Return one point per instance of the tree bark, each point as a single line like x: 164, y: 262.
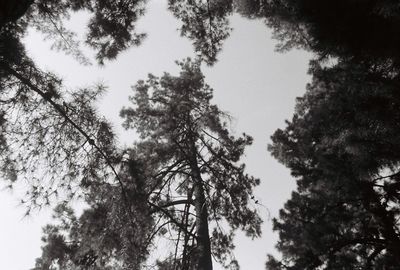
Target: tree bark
x: 203, y: 238
x: 203, y: 248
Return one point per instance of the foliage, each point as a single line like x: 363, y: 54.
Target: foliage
x: 341, y: 145
x: 50, y: 136
x: 11, y: 11
x: 361, y: 30
x: 364, y: 32
x: 204, y: 22
x: 195, y: 154
x: 184, y: 175
x: 185, y: 139
x: 112, y: 25
x: 113, y: 233
x: 54, y: 140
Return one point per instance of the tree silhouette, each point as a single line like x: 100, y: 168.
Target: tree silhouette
x: 35, y: 93
x: 204, y: 22
x: 111, y: 28
x: 112, y: 25
x: 183, y: 175
x: 364, y: 31
x: 341, y: 145
x: 50, y: 135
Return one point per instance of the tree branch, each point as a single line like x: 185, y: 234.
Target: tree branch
x: 165, y: 212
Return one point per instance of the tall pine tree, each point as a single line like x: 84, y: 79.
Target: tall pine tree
x: 188, y: 177
x: 341, y: 145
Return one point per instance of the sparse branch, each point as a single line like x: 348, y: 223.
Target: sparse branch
x: 159, y: 227
x: 213, y: 137
x: 165, y: 171
x: 385, y: 177
x: 165, y: 212
x: 178, y: 202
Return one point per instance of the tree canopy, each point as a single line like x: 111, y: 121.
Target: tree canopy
x: 112, y: 25
x: 54, y: 139
x: 341, y: 142
x: 341, y: 146
x: 366, y: 31
x: 181, y: 181
x: 50, y: 135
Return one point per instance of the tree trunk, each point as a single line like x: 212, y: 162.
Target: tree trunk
x: 203, y: 239
x: 203, y: 248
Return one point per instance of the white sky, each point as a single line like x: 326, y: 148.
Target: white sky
x: 252, y: 82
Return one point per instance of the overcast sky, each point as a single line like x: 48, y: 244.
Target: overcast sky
x: 251, y: 81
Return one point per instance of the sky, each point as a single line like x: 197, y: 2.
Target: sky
x: 251, y: 81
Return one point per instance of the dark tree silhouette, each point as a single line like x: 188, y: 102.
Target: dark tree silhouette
x: 114, y: 232
x: 53, y: 138
x: 341, y: 145
x: 11, y: 11
x: 364, y: 30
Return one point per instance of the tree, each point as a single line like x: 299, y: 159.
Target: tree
x: 112, y: 26
x: 11, y: 11
x: 111, y: 30
x: 52, y: 147
x: 187, y: 174
x: 364, y: 31
x: 341, y: 145
x: 34, y: 92
x: 204, y: 22
x: 114, y: 232
x: 52, y: 137
x: 45, y: 128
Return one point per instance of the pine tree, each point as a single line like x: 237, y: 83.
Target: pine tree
x: 50, y: 136
x: 33, y: 92
x: 112, y: 25
x: 341, y: 145
x: 364, y: 31
x: 204, y: 22
x: 187, y: 173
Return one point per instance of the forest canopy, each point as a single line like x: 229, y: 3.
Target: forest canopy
x: 341, y: 142
x: 183, y: 176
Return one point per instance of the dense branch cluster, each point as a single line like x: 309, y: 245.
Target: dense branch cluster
x: 49, y: 134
